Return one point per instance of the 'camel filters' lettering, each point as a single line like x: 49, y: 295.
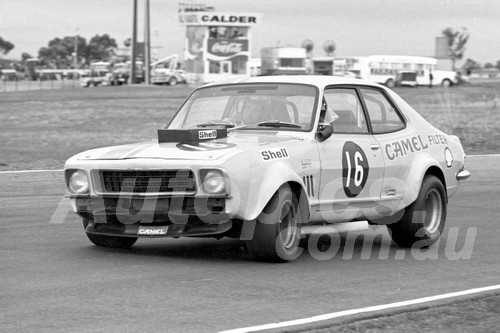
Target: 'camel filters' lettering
x: 404, y: 147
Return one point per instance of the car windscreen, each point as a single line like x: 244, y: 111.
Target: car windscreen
x: 280, y: 106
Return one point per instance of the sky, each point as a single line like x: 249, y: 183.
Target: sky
x: 358, y: 27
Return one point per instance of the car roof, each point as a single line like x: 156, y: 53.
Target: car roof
x: 317, y: 80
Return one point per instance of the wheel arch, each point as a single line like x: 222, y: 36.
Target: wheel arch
x: 426, y: 165
x: 446, y: 82
x: 437, y: 172
x: 266, y: 186
x: 299, y: 191
x: 390, y: 83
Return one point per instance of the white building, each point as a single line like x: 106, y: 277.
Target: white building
x: 217, y: 44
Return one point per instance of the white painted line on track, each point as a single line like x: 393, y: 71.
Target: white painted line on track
x: 361, y: 310
x: 28, y: 171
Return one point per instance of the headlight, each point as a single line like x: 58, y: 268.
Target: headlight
x: 213, y: 181
x: 78, y: 182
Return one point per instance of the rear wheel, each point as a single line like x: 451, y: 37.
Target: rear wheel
x: 446, y: 83
x: 277, y: 231
x: 110, y: 241
x: 423, y: 221
x: 172, y: 81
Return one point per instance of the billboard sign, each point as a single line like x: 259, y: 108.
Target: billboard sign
x: 218, y: 18
x: 221, y: 49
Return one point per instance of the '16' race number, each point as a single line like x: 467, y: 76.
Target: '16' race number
x: 354, y: 169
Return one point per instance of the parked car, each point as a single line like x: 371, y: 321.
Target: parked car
x: 166, y: 71
x: 269, y: 159
x: 94, y: 77
x: 119, y: 74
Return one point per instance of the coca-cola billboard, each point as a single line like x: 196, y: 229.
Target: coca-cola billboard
x: 225, y: 48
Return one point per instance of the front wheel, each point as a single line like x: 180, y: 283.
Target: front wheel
x: 110, y: 241
x: 278, y: 228
x: 423, y: 221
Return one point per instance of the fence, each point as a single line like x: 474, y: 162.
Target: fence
x: 23, y: 85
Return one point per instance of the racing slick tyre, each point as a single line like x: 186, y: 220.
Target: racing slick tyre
x: 423, y: 221
x: 278, y: 228
x: 110, y: 241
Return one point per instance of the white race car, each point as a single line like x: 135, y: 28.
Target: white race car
x: 266, y: 160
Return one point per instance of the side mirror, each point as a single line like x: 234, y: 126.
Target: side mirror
x: 324, y: 132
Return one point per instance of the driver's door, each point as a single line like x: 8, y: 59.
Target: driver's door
x: 352, y: 165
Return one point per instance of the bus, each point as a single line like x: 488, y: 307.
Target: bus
x: 388, y: 70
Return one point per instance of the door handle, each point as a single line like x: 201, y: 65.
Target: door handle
x: 374, y: 146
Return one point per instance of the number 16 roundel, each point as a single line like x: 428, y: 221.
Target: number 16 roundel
x: 354, y: 169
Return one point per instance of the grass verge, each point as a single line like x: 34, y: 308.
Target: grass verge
x: 473, y: 314
x: 40, y: 129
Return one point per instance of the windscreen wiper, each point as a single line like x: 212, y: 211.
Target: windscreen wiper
x: 216, y: 123
x: 277, y: 123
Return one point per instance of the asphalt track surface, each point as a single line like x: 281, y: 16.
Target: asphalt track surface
x: 52, y: 279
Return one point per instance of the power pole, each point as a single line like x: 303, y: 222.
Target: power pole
x: 76, y: 51
x: 134, y: 42
x: 147, y: 47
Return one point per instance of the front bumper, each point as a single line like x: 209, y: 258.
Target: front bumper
x: 163, y: 217
x: 463, y: 174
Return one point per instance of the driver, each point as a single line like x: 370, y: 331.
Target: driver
x: 255, y: 111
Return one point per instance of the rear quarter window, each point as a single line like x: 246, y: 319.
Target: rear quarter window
x: 384, y: 116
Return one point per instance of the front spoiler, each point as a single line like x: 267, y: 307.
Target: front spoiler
x: 164, y: 217
x: 194, y: 227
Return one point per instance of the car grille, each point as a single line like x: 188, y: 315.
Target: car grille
x: 158, y: 181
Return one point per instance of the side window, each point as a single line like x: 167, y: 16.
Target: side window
x: 383, y: 115
x: 347, y: 109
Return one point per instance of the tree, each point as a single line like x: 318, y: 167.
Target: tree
x: 100, y: 48
x: 25, y: 56
x: 470, y: 64
x: 5, y: 46
x: 456, y: 43
x: 60, y: 51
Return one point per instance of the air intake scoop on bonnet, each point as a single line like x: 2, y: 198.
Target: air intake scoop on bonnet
x: 191, y: 135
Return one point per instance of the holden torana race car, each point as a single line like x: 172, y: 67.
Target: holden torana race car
x: 268, y: 159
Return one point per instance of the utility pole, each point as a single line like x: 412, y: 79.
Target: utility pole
x: 76, y: 51
x: 134, y: 42
x: 147, y: 47
x: 75, y: 71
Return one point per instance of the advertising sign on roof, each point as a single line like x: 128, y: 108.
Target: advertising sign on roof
x: 218, y: 18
